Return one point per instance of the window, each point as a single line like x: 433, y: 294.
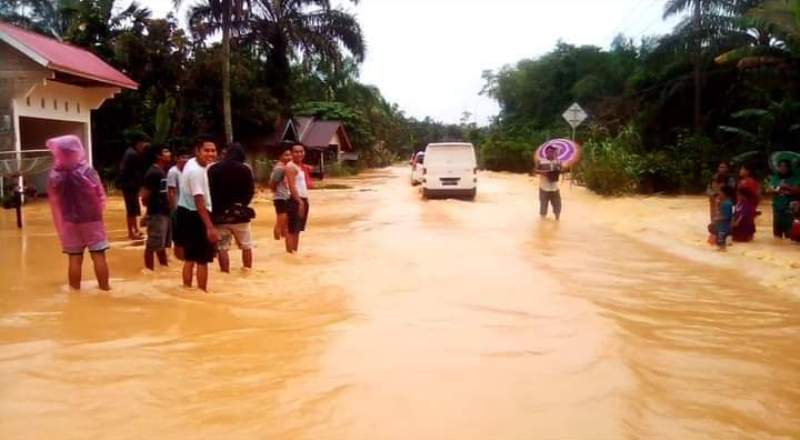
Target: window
x: 55, y: 104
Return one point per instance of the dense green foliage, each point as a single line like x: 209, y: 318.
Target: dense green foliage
x: 642, y: 135
x: 287, y: 58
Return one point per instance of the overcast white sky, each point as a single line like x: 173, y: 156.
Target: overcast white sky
x: 428, y: 55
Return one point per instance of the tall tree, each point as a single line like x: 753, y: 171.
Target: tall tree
x: 221, y: 15
x: 709, y: 19
x: 311, y: 29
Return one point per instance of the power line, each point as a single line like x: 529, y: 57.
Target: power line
x: 624, y: 19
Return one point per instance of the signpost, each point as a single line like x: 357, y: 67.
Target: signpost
x: 575, y: 115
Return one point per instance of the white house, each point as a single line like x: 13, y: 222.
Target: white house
x: 48, y: 88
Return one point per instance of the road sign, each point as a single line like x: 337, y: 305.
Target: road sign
x: 575, y: 115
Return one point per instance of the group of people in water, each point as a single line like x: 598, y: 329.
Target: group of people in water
x: 202, y: 204
x: 734, y: 203
x: 197, y: 201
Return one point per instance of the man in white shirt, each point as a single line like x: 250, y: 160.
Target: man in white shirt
x: 549, y: 171
x: 173, y: 190
x: 197, y: 232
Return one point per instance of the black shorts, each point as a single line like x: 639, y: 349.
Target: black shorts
x: 174, y: 229
x: 281, y: 206
x: 297, y: 224
x: 196, y: 247
x: 132, y: 207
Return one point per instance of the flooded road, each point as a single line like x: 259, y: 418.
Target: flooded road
x: 403, y: 319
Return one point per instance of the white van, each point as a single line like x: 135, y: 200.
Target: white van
x: 450, y: 170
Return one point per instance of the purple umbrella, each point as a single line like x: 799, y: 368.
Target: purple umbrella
x: 567, y: 152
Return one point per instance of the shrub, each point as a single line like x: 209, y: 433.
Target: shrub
x: 608, y: 167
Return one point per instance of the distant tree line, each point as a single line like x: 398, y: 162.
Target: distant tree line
x: 724, y: 84
x: 283, y: 58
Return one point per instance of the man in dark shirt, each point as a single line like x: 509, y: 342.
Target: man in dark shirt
x: 154, y: 197
x: 232, y: 187
x: 131, y: 171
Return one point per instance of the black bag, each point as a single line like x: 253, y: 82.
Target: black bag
x: 237, y: 213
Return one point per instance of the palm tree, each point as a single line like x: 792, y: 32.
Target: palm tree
x: 777, y: 24
x: 309, y: 29
x: 210, y: 17
x: 709, y: 19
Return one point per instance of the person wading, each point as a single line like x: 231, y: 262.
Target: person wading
x: 131, y: 175
x: 77, y: 201
x: 785, y: 186
x: 298, y: 206
x: 232, y: 187
x: 173, y: 192
x: 721, y: 179
x: 155, y: 198
x: 198, y: 235
x: 549, y: 171
x: 281, y: 195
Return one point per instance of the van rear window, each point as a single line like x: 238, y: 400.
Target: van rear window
x: 450, y: 154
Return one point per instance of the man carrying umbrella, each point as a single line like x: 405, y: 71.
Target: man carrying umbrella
x: 549, y: 170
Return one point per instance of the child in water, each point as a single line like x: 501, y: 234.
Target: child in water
x: 724, y: 220
x: 77, y: 200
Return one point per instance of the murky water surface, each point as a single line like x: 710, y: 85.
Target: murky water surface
x: 401, y: 319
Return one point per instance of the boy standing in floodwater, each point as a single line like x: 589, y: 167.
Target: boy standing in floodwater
x: 724, y: 220
x: 173, y: 192
x: 198, y: 235
x: 154, y: 197
x: 77, y: 200
x: 281, y: 195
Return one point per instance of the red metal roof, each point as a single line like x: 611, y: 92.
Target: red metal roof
x: 63, y: 57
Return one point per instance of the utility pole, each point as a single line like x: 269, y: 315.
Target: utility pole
x: 698, y: 84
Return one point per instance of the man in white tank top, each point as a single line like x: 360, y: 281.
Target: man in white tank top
x: 298, y: 201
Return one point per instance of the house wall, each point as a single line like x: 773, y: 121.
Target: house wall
x: 18, y: 73
x: 62, y: 102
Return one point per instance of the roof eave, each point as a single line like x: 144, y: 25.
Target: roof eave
x: 133, y: 85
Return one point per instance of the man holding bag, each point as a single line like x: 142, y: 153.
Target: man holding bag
x: 232, y: 188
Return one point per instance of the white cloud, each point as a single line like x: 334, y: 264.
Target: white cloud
x: 428, y: 55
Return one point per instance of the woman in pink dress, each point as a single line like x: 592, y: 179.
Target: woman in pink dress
x: 77, y: 201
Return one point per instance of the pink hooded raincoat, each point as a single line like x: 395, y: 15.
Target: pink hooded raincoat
x: 76, y: 196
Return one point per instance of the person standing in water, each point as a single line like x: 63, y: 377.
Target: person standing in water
x: 155, y: 198
x: 77, y: 201
x: 721, y: 179
x: 744, y: 216
x: 298, y: 206
x: 198, y: 235
x: 724, y: 220
x: 232, y: 188
x: 748, y: 182
x: 549, y: 171
x: 786, y: 188
x: 281, y: 195
x: 131, y: 174
x: 173, y: 192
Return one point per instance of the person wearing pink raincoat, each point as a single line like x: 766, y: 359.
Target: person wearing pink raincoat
x: 77, y: 201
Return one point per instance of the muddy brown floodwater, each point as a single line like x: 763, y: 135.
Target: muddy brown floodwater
x: 403, y: 319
